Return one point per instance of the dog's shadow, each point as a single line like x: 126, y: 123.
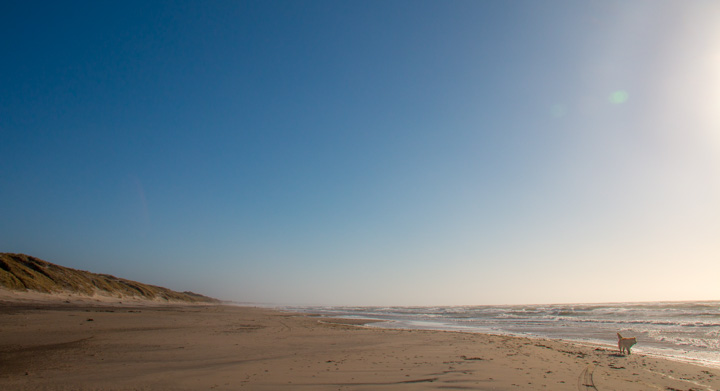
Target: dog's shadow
x: 617, y: 355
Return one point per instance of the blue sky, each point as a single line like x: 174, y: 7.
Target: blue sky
x: 368, y: 153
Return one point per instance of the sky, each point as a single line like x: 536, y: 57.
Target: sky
x: 368, y: 152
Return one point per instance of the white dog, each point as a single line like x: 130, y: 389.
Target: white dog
x: 625, y: 343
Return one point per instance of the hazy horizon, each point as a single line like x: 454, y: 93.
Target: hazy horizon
x: 368, y: 153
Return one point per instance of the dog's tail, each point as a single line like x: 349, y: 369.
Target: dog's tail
x: 619, y: 336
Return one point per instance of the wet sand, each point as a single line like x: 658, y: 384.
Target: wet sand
x: 65, y: 346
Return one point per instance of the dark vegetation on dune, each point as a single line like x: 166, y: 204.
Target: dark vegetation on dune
x: 26, y: 273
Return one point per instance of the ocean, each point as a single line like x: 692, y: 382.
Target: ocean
x: 687, y: 331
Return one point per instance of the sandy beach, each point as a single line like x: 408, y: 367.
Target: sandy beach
x: 103, y: 346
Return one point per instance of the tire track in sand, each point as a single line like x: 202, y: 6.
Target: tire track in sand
x: 585, y: 380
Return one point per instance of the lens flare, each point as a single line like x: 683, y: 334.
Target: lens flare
x: 618, y: 97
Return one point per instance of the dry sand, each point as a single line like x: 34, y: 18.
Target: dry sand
x: 81, y: 346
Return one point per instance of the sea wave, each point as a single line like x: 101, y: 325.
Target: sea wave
x: 688, y: 329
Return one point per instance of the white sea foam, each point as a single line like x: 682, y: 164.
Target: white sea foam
x: 686, y: 330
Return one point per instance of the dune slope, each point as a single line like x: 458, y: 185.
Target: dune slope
x: 20, y: 272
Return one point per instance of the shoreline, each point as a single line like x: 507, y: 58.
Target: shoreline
x: 226, y: 347
x: 578, y: 342
x: 683, y: 336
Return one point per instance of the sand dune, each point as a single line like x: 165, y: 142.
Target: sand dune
x: 24, y: 276
x: 80, y: 347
